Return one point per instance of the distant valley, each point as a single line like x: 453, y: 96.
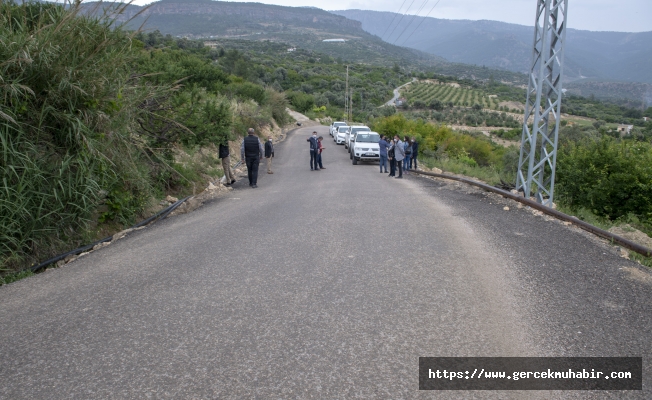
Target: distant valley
x: 597, y: 63
x: 303, y: 27
x: 595, y: 55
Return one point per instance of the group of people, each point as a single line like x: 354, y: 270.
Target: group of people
x: 401, y: 154
x: 316, y: 148
x: 251, y: 151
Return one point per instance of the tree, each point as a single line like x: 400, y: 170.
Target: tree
x: 301, y: 101
x: 419, y: 104
x: 436, y: 105
x: 648, y: 112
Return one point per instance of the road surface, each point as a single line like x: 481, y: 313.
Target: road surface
x: 397, y: 94
x: 325, y: 284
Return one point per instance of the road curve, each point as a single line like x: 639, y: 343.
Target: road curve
x: 397, y: 93
x: 320, y: 284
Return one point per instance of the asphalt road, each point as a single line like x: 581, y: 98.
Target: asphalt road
x: 397, y: 94
x: 326, y: 284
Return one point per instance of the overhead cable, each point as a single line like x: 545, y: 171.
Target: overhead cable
x: 424, y: 18
x: 395, y: 14
x: 399, y: 21
x: 412, y: 21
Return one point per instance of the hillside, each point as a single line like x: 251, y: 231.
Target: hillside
x: 300, y: 27
x: 628, y: 94
x: 296, y: 26
x: 614, y: 56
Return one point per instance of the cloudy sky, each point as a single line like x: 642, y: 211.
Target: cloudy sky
x: 595, y: 15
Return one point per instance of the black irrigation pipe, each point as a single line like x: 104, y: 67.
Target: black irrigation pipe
x: 154, y: 218
x: 552, y: 212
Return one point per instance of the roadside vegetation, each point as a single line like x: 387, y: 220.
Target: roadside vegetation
x: 465, y: 153
x: 94, y: 122
x: 599, y: 177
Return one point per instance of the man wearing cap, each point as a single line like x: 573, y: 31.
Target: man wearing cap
x: 251, y: 151
x: 314, y: 151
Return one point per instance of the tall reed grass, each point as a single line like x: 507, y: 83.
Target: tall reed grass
x: 67, y: 114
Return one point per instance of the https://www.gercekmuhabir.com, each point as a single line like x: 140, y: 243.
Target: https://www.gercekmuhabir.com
x: 530, y: 373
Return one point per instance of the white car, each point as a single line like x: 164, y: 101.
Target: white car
x: 365, y: 147
x: 334, y: 127
x: 341, y: 133
x: 351, y: 135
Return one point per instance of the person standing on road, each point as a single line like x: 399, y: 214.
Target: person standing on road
x: 399, y: 154
x: 269, y: 154
x: 314, y: 151
x: 321, y: 148
x: 408, y: 153
x: 225, y: 156
x: 392, y: 159
x: 383, y: 145
x: 415, y: 152
x: 252, y: 151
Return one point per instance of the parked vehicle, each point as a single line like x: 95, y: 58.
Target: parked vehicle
x: 334, y: 127
x: 352, y: 133
x: 341, y: 133
x: 365, y: 147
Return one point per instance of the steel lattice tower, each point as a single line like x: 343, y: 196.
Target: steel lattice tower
x: 536, y: 166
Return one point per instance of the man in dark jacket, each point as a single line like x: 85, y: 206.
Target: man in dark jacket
x: 251, y: 151
x: 383, y: 146
x: 415, y: 153
x: 314, y: 151
x: 226, y: 164
x: 269, y: 154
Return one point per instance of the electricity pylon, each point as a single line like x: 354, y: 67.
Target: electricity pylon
x: 536, y: 166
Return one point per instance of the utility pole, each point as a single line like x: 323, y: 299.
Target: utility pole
x: 538, y: 156
x: 346, y: 94
x: 351, y: 105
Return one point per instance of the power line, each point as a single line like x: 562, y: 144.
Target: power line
x: 412, y: 21
x: 399, y: 21
x: 424, y: 18
x: 395, y: 14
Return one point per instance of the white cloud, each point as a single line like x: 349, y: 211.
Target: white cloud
x: 595, y: 15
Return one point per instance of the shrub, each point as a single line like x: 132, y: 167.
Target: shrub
x: 440, y: 139
x: 278, y: 103
x: 301, y: 101
x: 418, y: 104
x: 248, y: 90
x: 436, y: 105
x: 610, y: 178
x: 203, y: 118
